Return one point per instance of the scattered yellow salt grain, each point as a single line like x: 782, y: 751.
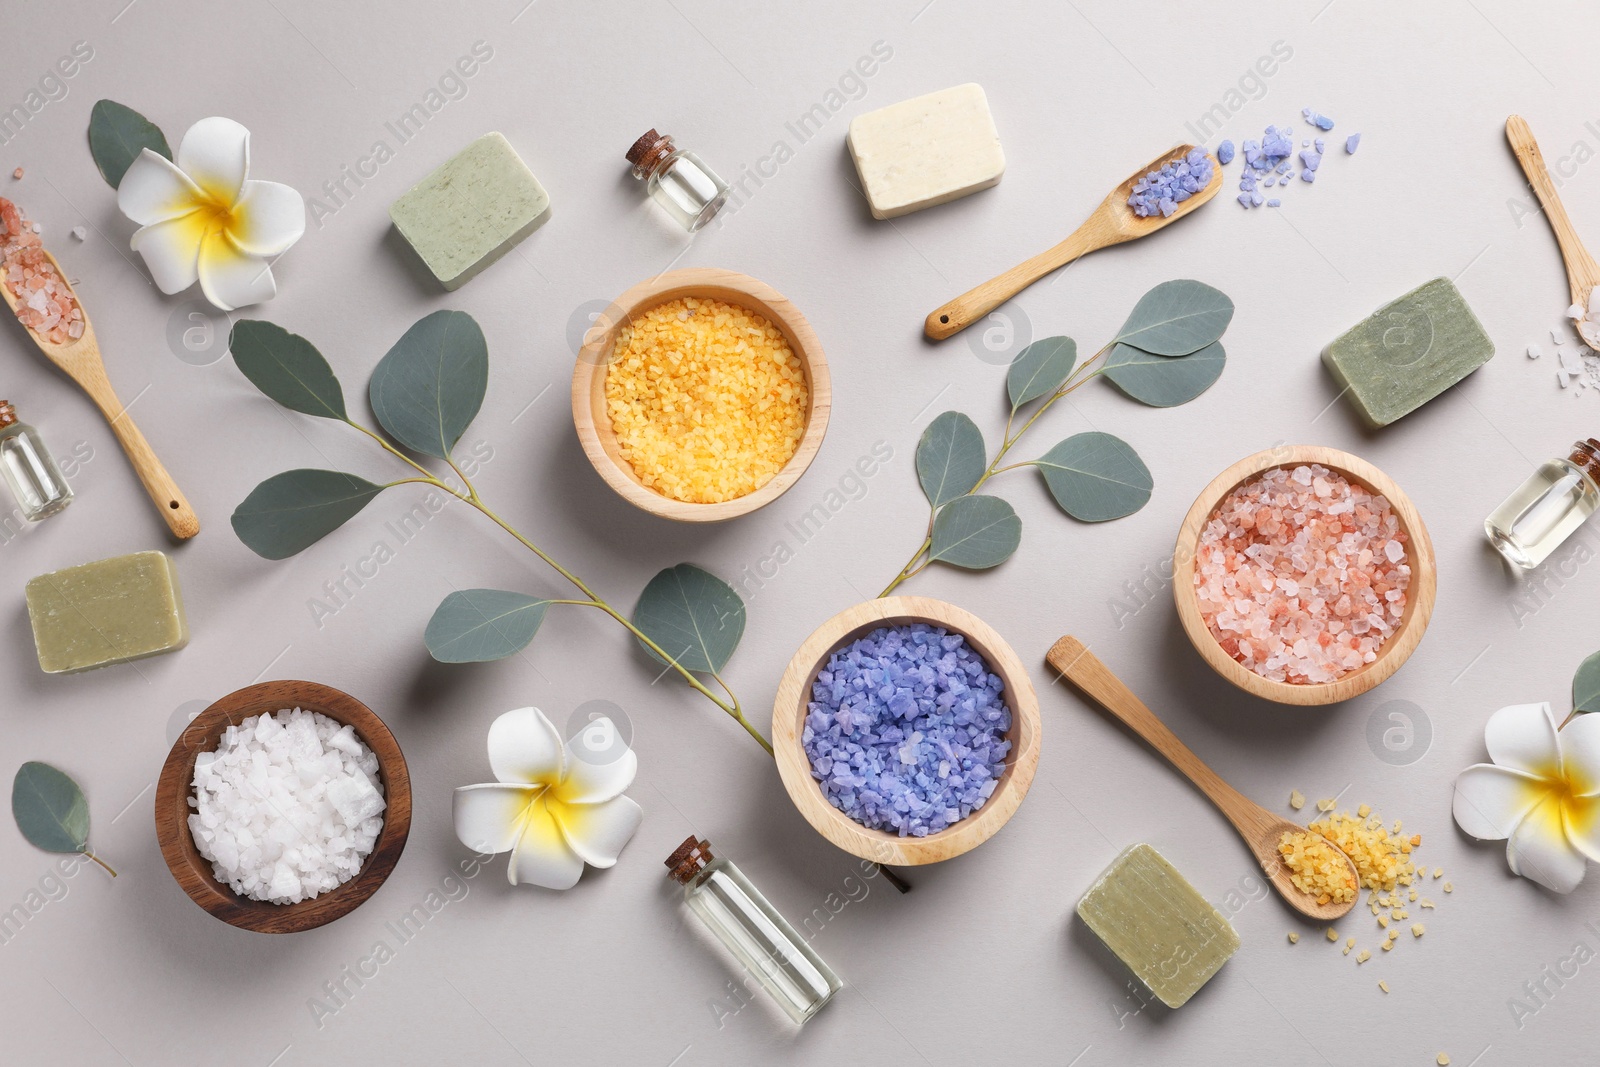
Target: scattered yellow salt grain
x: 1363, y: 956
x: 1327, y: 805
x: 1426, y: 903
x: 1448, y: 888
x: 1333, y: 935
x: 1381, y: 859
x: 1383, y: 920
x: 1294, y: 938
x: 707, y: 399
x: 1417, y: 929
x: 1438, y: 872
x: 1317, y: 868
x: 1443, y: 1060
x: 1411, y: 895
x: 1297, y: 799
x: 1387, y: 945
x: 1364, y: 810
x: 1383, y: 985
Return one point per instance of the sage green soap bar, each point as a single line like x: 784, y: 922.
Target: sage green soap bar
x: 1408, y: 352
x: 110, y: 611
x: 1158, y: 924
x: 472, y: 210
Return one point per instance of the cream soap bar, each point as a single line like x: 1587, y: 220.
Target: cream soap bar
x: 110, y: 611
x: 1158, y: 924
x: 1408, y: 352
x: 926, y: 151
x: 472, y: 210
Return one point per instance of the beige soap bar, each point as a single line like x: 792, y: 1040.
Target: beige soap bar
x: 926, y: 151
x: 1170, y: 937
x: 110, y: 611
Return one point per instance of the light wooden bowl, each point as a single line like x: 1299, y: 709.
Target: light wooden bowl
x: 794, y: 766
x: 175, y: 786
x: 1419, y: 596
x: 593, y: 420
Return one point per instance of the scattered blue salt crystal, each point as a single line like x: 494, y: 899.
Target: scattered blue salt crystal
x: 1163, y: 189
x: 1322, y: 122
x: 1225, y: 152
x: 1305, y: 144
x: 1308, y: 175
x: 1274, y: 202
x: 1351, y: 143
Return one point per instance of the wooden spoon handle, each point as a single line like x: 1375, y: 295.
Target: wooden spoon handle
x: 1579, y: 262
x: 974, y: 304
x: 164, y: 492
x: 1084, y: 670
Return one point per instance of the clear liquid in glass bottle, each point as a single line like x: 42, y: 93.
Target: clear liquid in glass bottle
x: 1533, y: 521
x: 30, y: 472
x: 751, y: 928
x: 678, y: 180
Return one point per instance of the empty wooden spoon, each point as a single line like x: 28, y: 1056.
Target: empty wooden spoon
x: 1582, y: 273
x: 1112, y: 223
x: 80, y: 359
x: 1260, y: 828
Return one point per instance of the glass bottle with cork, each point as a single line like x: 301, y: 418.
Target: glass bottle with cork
x: 750, y: 927
x: 678, y: 180
x: 1533, y: 521
x: 29, y: 470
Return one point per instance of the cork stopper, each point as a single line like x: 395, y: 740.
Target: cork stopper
x: 688, y: 860
x: 649, y: 150
x: 8, y: 414
x: 1585, y: 455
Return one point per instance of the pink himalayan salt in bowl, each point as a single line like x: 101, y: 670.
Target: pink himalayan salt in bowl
x: 1301, y: 575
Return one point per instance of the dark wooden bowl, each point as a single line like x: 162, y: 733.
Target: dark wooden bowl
x: 176, y: 785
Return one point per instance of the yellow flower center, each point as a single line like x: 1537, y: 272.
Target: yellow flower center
x: 215, y: 215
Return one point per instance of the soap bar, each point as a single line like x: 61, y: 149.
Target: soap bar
x: 110, y: 611
x: 1158, y: 924
x: 472, y: 210
x: 1408, y: 352
x: 926, y: 151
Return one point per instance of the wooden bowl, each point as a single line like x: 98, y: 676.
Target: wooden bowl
x: 794, y: 766
x: 593, y: 420
x: 1419, y: 596
x: 175, y: 786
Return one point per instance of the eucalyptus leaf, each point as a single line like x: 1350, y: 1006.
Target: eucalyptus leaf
x: 50, y: 809
x: 430, y: 385
x: 477, y: 625
x: 950, y: 457
x: 117, y: 134
x: 1586, y: 685
x: 1041, y: 368
x: 693, y: 616
x: 1164, y: 381
x: 291, y: 511
x: 975, y: 532
x: 287, y: 368
x: 1176, y: 318
x: 1095, y: 477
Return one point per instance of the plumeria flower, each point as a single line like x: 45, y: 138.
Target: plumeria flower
x: 554, y: 810
x: 202, y: 217
x: 1541, y: 794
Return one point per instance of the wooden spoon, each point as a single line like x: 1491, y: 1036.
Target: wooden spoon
x: 81, y: 360
x: 1112, y: 223
x: 1260, y: 828
x: 1582, y: 273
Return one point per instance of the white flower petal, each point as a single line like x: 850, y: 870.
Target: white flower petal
x: 231, y: 278
x: 1523, y: 737
x: 215, y: 153
x: 171, y: 250
x: 153, y: 190
x: 542, y: 856
x: 268, y: 219
x: 1539, y: 849
x: 598, y: 832
x: 524, y: 747
x: 1491, y: 801
x: 1580, y: 819
x: 600, y: 775
x: 1580, y: 753
x: 488, y: 818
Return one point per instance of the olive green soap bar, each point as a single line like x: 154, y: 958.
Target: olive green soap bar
x: 110, y: 611
x: 471, y: 211
x: 1408, y: 352
x: 1158, y: 924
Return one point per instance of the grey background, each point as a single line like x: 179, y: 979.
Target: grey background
x: 984, y: 958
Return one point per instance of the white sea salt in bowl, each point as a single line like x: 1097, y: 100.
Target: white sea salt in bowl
x: 354, y: 849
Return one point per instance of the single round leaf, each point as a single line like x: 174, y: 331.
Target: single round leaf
x: 288, y: 368
x: 1164, y: 381
x: 291, y: 511
x: 693, y: 616
x: 476, y: 625
x: 117, y: 135
x: 430, y: 385
x: 1096, y: 477
x: 1040, y: 368
x: 975, y: 532
x: 49, y: 808
x: 950, y: 457
x: 1586, y: 685
x: 1176, y: 318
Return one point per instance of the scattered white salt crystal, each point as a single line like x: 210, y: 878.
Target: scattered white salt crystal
x: 1534, y: 351
x: 79, y: 233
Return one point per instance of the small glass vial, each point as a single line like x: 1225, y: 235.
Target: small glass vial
x: 29, y: 469
x: 751, y: 928
x: 1544, y: 511
x: 679, y: 181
